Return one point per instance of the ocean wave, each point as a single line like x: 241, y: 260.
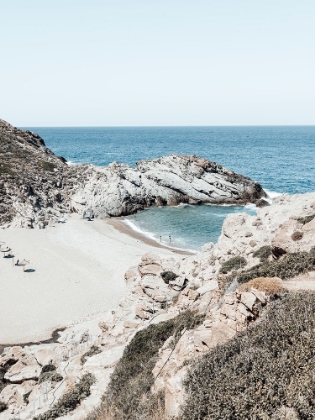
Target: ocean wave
x: 272, y: 195
x: 71, y: 163
x: 135, y: 228
x: 183, y: 205
x: 222, y: 215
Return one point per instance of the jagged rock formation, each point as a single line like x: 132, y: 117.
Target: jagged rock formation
x: 153, y: 297
x: 120, y: 190
x: 36, y: 185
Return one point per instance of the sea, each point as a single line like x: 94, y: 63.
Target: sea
x: 280, y: 158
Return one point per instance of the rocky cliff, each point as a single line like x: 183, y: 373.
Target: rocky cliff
x: 36, y: 185
x: 176, y: 311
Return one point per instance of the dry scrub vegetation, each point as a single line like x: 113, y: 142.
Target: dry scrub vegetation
x: 233, y: 263
x: 271, y: 286
x: 128, y: 395
x: 70, y: 400
x: 306, y: 219
x: 262, y: 372
x: 289, y: 266
x: 263, y: 253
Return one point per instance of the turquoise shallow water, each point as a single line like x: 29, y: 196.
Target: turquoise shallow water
x: 281, y: 159
x: 189, y: 226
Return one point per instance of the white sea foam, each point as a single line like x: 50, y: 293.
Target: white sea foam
x: 183, y: 205
x: 220, y: 215
x: 149, y: 235
x: 135, y: 228
x: 272, y: 195
x: 70, y: 163
x: 251, y: 206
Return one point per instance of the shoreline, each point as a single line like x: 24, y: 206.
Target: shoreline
x: 53, y: 339
x: 79, y: 269
x: 117, y: 223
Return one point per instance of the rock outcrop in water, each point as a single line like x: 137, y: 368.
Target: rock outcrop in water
x: 36, y: 185
x: 120, y: 190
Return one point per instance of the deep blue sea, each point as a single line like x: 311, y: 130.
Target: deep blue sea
x: 281, y: 159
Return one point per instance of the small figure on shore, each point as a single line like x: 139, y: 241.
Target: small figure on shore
x: 170, y: 239
x: 160, y: 239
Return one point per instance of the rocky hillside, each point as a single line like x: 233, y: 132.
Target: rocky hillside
x: 36, y: 185
x: 31, y: 178
x: 183, y: 322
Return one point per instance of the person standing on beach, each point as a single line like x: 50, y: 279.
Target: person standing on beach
x: 170, y: 239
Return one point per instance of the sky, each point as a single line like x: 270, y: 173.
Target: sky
x: 157, y: 62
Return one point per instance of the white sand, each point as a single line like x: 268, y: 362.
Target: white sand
x: 79, y: 271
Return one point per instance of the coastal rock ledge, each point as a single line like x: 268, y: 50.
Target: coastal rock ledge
x: 36, y: 185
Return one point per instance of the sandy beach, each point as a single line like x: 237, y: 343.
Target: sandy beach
x: 79, y: 271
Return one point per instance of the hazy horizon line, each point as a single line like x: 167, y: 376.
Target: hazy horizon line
x: 166, y: 126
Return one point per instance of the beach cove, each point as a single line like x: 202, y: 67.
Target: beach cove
x: 79, y: 271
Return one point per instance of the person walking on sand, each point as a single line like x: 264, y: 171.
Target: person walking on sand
x: 170, y: 239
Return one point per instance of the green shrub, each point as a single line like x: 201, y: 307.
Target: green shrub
x: 289, y: 266
x: 128, y: 394
x: 92, y: 352
x: 263, y: 253
x: 69, y: 401
x: 306, y: 219
x: 49, y: 373
x: 47, y: 166
x: 48, y: 368
x: 233, y: 264
x: 265, y: 370
x: 168, y: 276
x: 52, y: 376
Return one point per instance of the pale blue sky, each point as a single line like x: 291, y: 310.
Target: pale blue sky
x: 157, y: 62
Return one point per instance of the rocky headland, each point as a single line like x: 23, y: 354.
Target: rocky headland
x: 222, y: 334
x: 36, y: 185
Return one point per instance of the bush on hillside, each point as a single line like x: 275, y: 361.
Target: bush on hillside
x: 48, y: 368
x: 47, y: 166
x: 128, y: 395
x: 263, y: 253
x: 289, y: 266
x: 69, y: 401
x: 168, y: 276
x: 270, y: 286
x: 306, y: 219
x: 50, y: 376
x: 263, y: 373
x: 92, y: 352
x: 233, y: 264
